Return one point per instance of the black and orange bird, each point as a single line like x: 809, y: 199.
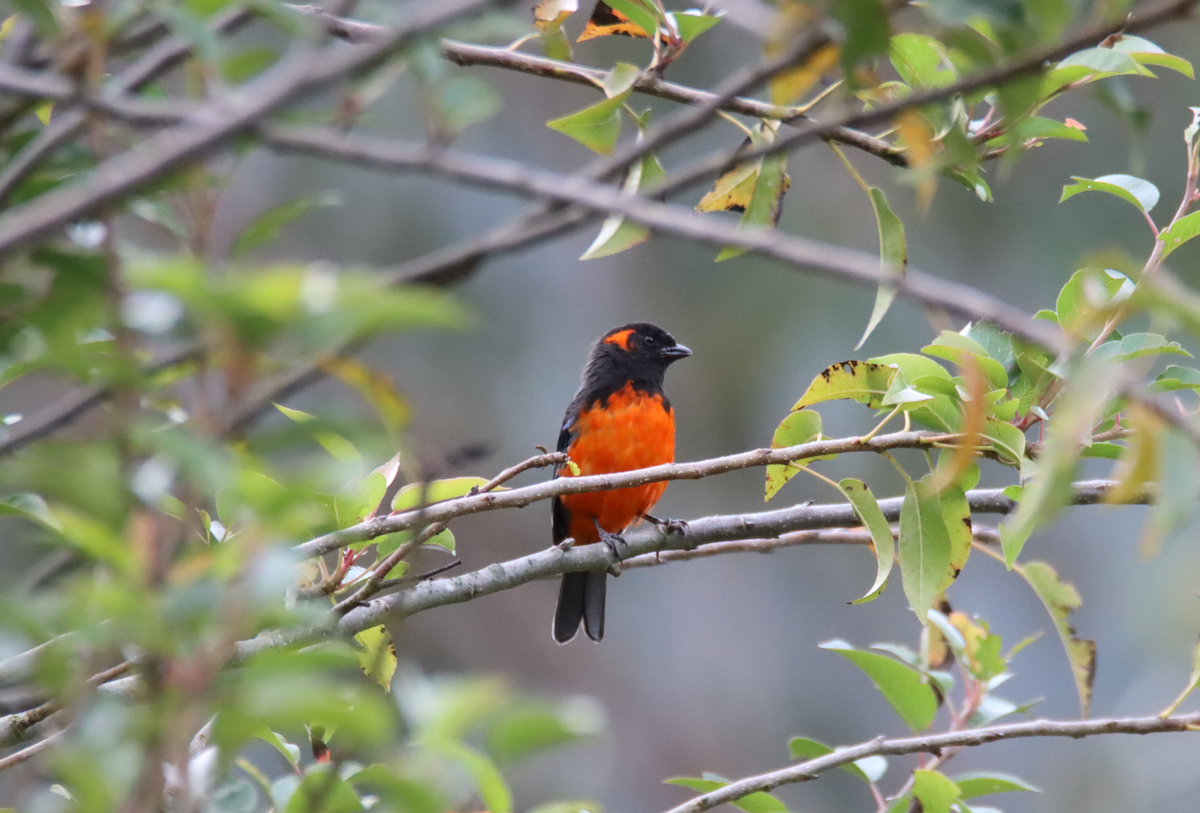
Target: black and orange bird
x: 618, y: 421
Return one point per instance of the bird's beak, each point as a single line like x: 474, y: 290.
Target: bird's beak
x: 677, y: 352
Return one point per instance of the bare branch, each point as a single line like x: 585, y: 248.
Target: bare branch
x: 1075, y: 729
x: 76, y: 404
x: 30, y: 751
x: 67, y: 124
x: 843, y: 263
x: 216, y: 123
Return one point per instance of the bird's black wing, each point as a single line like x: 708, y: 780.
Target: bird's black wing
x: 560, y: 520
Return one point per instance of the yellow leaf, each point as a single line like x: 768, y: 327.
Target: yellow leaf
x: 378, y: 658
x: 375, y: 387
x: 790, y: 86
x: 920, y: 150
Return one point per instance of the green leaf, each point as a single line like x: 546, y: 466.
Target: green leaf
x: 597, y: 127
x: 526, y: 729
x: 265, y: 228
x: 757, y: 802
x: 801, y: 426
x: 1145, y: 52
x: 867, y: 509
x: 924, y: 547
x: 859, y: 381
x: 620, y: 79
x: 493, y: 790
x: 893, y: 258
x: 1177, y: 475
x: 935, y: 791
x: 867, y: 33
x: 868, y: 769
x: 618, y: 234
x: 921, y: 61
x: 964, y: 351
x: 464, y: 101
x: 1177, y: 378
x: 1139, y: 192
x: 770, y: 182
x: 1079, y: 408
x: 319, y: 790
x: 414, y: 495
x: 956, y: 515
x: 902, y: 686
x: 290, y: 751
x: 1061, y: 599
x: 1179, y: 232
x: 235, y: 796
x: 41, y: 14
x: 1137, y: 345
x: 693, y: 22
x: 1088, y: 296
x: 985, y: 783
x: 1007, y: 440
x: 1039, y: 128
x: 378, y: 658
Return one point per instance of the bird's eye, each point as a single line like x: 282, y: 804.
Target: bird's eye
x: 649, y: 341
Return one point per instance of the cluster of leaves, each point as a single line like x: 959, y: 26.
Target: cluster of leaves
x: 954, y: 139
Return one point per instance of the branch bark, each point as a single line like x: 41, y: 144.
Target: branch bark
x: 932, y: 744
x: 213, y: 126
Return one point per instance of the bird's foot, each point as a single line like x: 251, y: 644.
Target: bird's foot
x: 671, y: 526
x: 616, y: 545
x: 566, y: 544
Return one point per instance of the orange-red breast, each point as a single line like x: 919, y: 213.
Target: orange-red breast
x: 619, y: 420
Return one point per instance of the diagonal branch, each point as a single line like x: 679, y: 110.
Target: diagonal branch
x: 847, y: 264
x: 214, y: 125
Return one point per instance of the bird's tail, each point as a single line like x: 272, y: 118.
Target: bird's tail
x: 580, y: 598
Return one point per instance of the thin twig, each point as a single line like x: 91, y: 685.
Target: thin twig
x: 30, y: 751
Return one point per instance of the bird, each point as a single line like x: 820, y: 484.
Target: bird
x: 619, y: 420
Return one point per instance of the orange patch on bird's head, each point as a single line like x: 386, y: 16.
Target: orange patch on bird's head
x: 620, y: 338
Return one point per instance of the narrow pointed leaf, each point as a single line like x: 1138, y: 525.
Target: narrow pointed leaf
x: 902, y: 686
x: 1061, y: 599
x: 924, y: 547
x: 866, y: 507
x: 893, y: 258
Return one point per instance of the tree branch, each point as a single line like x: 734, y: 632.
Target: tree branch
x: 645, y: 540
x: 521, y: 497
x: 843, y: 263
x: 932, y: 744
x: 68, y: 124
x: 215, y: 123
x: 555, y: 561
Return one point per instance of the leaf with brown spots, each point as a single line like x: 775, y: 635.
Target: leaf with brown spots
x: 849, y: 380
x: 1060, y: 599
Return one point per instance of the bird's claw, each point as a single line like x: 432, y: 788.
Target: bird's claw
x: 566, y: 544
x: 616, y: 545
